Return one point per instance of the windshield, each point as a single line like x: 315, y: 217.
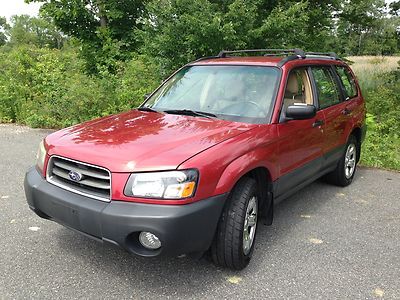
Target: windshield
x: 236, y: 93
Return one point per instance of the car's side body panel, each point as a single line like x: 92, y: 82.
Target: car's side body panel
x: 300, y: 148
x: 223, y: 165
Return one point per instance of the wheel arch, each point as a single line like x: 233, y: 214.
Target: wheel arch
x: 263, y: 178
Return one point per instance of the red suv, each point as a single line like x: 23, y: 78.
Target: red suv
x: 206, y: 156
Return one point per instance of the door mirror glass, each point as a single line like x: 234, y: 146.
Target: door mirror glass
x: 300, y: 112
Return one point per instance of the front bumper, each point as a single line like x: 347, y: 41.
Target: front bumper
x: 182, y: 229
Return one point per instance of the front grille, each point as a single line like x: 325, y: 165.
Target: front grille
x: 91, y: 181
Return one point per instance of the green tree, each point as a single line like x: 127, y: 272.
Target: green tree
x: 395, y: 8
x: 360, y: 21
x: 178, y: 31
x: 3, y: 28
x: 284, y: 27
x: 34, y: 31
x: 104, y: 27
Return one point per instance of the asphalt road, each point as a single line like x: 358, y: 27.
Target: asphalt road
x: 326, y: 243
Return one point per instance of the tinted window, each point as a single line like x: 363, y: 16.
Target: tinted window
x: 327, y: 89
x: 348, y: 82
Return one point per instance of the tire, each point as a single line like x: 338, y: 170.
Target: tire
x: 346, y: 168
x: 230, y: 249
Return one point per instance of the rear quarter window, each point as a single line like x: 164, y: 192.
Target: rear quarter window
x: 348, y: 82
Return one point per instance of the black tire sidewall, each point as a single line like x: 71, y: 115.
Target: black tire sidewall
x: 227, y: 248
x: 248, y: 256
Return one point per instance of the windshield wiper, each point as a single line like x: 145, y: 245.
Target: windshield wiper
x: 188, y: 112
x: 145, y: 108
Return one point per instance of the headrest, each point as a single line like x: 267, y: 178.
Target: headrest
x: 292, y: 85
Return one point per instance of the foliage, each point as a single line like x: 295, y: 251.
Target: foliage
x: 395, y: 8
x: 48, y: 88
x: 285, y: 27
x: 34, y: 31
x: 382, y: 146
x: 104, y: 27
x: 3, y: 27
x: 363, y: 28
x: 179, y: 31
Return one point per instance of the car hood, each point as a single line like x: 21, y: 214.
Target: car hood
x: 141, y: 141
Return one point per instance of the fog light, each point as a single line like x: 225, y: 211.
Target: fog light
x: 149, y: 240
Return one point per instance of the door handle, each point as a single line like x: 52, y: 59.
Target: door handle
x: 318, y: 123
x: 346, y: 111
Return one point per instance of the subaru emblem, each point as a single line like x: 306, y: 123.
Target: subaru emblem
x: 75, y: 176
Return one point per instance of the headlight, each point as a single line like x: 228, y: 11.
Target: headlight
x: 163, y: 185
x: 41, y: 156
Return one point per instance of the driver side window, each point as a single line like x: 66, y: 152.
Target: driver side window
x: 298, y: 89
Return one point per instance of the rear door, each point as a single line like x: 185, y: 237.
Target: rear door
x: 353, y: 103
x: 331, y: 104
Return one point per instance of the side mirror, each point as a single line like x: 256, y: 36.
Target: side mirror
x: 300, y: 112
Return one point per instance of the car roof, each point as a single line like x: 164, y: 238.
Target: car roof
x: 274, y: 61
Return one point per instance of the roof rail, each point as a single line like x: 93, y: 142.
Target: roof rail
x: 298, y: 52
x: 290, y: 54
x: 332, y: 55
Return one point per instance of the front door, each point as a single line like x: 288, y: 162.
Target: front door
x: 300, y: 141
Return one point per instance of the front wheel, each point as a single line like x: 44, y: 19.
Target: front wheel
x: 344, y: 173
x: 234, y: 240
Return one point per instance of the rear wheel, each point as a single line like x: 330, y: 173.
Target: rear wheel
x: 234, y: 240
x: 346, y: 168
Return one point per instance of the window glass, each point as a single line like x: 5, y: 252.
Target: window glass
x: 236, y: 93
x: 348, y: 82
x: 327, y: 89
x: 298, y: 88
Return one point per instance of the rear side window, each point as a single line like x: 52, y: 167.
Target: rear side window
x: 347, y: 81
x: 327, y: 89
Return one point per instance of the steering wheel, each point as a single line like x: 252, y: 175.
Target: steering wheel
x: 255, y: 106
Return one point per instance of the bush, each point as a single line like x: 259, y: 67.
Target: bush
x: 382, y: 145
x: 48, y: 88
x: 139, y: 77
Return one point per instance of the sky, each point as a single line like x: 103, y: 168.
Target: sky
x: 9, y: 8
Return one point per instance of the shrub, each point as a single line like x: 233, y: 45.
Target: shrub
x: 139, y: 77
x: 48, y: 88
x: 382, y: 145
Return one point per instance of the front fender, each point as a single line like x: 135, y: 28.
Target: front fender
x: 244, y: 164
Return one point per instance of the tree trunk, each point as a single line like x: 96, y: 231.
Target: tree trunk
x: 102, y: 16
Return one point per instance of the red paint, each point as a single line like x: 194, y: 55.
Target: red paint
x: 222, y: 151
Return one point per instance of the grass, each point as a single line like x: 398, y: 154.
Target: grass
x: 381, y: 91
x: 369, y: 68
